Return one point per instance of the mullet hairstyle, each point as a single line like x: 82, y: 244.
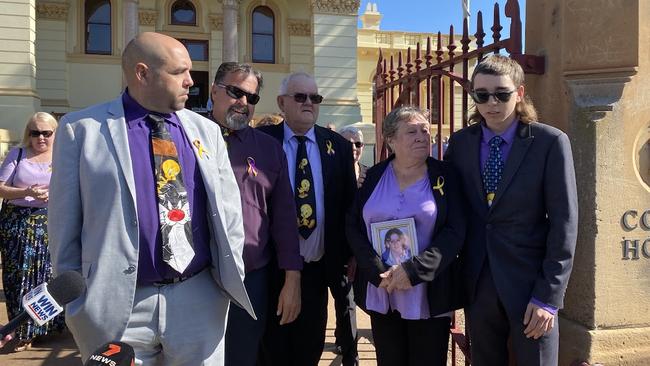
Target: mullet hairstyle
x: 499, y: 65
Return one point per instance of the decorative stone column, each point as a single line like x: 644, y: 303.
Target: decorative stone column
x: 334, y: 34
x: 131, y: 20
x: 52, y: 74
x: 596, y: 89
x: 18, y: 95
x: 230, y: 44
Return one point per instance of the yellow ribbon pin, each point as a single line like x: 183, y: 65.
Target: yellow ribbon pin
x: 330, y: 150
x: 201, y: 149
x: 440, y: 182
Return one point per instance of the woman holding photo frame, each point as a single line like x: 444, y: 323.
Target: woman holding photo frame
x: 410, y: 303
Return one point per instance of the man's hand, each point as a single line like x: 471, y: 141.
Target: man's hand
x: 538, y: 321
x: 6, y: 340
x: 289, y: 299
x: 351, y: 269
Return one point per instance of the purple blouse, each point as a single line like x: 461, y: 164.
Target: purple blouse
x: 25, y: 175
x: 387, y: 202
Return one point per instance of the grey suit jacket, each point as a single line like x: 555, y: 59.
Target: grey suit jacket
x: 93, y: 222
x: 529, y: 232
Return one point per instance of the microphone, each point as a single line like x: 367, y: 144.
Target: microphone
x: 112, y: 354
x: 45, y: 301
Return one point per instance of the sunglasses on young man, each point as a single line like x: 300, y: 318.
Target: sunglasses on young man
x: 482, y: 96
x: 236, y: 93
x: 37, y: 133
x: 302, y: 97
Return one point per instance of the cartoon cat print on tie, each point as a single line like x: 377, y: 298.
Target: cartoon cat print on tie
x: 493, y: 169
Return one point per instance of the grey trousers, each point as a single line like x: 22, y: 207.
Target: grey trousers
x: 181, y: 324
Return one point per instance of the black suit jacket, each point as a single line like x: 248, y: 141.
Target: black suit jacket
x: 438, y: 265
x: 529, y: 232
x: 339, y: 183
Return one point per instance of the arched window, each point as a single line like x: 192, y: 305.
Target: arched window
x: 98, y: 26
x: 263, y: 35
x: 183, y: 13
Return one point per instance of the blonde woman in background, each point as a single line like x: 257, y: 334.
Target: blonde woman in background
x: 24, y: 187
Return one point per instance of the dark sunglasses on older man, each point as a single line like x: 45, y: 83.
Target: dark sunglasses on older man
x: 482, y: 96
x: 358, y: 144
x: 302, y: 97
x: 236, y: 93
x: 37, y: 133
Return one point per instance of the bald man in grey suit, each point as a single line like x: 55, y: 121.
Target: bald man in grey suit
x: 106, y: 215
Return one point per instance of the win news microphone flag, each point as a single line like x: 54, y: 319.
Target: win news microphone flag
x: 112, y: 354
x: 46, y: 301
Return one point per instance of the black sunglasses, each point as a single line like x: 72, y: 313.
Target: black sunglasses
x: 358, y: 144
x: 236, y: 93
x: 302, y: 97
x: 37, y: 133
x: 482, y: 97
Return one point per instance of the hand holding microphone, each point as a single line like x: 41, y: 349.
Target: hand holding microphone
x: 46, y: 301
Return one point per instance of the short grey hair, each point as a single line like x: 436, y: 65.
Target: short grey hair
x: 349, y: 131
x: 401, y: 114
x: 232, y: 67
x: 284, y: 86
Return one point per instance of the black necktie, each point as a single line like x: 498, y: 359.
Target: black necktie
x: 173, y: 206
x: 304, y: 192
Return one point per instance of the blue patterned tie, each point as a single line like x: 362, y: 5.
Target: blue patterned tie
x: 493, y: 169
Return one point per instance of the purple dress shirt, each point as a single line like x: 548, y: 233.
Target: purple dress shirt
x: 387, y: 202
x: 151, y: 267
x: 508, y: 136
x: 268, y: 207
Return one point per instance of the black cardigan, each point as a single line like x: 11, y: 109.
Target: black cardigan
x: 439, y: 264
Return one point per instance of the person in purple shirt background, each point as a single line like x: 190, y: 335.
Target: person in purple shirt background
x: 113, y: 167
x: 268, y: 208
x: 518, y: 177
x: 409, y: 302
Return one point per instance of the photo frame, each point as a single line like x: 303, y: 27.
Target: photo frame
x: 395, y: 241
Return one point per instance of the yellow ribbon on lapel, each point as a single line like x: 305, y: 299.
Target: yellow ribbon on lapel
x: 252, y: 169
x: 440, y: 182
x: 200, y: 149
x: 330, y: 150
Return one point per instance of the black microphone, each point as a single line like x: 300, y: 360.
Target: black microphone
x: 46, y: 301
x: 112, y: 354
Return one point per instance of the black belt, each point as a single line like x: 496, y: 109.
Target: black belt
x: 171, y: 281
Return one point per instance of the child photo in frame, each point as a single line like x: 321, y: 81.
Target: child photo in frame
x: 395, y: 241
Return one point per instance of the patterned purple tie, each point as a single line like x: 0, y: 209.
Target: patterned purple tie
x: 493, y: 169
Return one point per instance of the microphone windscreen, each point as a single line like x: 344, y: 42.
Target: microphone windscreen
x: 66, y: 287
x: 112, y: 353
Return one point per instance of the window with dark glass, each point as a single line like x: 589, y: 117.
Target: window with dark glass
x: 263, y: 35
x: 98, y: 26
x: 183, y: 13
x: 197, y: 49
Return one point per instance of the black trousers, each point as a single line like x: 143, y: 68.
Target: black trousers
x: 346, y: 318
x: 402, y: 342
x: 299, y: 343
x: 243, y: 333
x: 490, y: 326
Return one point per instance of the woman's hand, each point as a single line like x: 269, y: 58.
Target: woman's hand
x: 395, y: 279
x: 38, y: 192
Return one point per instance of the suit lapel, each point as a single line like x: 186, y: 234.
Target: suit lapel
x: 520, y: 145
x: 117, y: 129
x: 474, y: 161
x: 208, y: 149
x: 326, y: 157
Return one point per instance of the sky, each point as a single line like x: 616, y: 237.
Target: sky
x: 431, y: 16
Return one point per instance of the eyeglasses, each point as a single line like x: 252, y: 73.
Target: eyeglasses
x: 302, y: 97
x: 482, y: 97
x: 358, y: 144
x: 37, y: 133
x: 236, y: 93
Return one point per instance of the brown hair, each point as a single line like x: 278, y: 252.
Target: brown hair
x: 499, y: 65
